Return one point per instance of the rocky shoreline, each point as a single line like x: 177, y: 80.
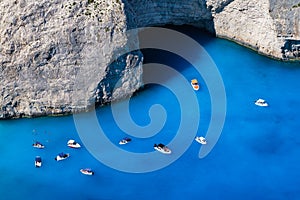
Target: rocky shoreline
x: 50, y: 48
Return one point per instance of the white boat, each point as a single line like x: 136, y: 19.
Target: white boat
x: 38, y: 161
x: 62, y: 156
x: 125, y: 140
x: 87, y: 171
x: 38, y: 145
x: 195, y: 85
x: 162, y: 148
x: 73, y: 144
x: 201, y: 140
x: 261, y: 102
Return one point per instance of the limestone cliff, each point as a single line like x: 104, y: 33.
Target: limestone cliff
x: 47, y: 48
x: 161, y: 12
x: 269, y: 26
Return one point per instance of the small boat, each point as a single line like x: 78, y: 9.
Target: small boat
x: 162, y: 148
x: 73, y: 144
x: 195, y: 85
x: 125, y: 140
x: 38, y: 145
x: 201, y: 140
x: 261, y: 102
x: 62, y: 156
x: 38, y: 161
x: 87, y: 171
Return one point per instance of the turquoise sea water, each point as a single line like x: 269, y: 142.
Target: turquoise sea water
x: 256, y: 157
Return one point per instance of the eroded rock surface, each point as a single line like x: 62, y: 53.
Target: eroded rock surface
x: 60, y: 57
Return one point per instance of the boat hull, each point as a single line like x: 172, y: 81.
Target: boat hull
x: 88, y: 173
x: 201, y: 140
x: 162, y: 149
x: 73, y: 144
x: 38, y: 164
x: 262, y: 105
x: 59, y: 158
x: 124, y: 141
x: 77, y: 146
x: 38, y: 161
x: 195, y: 85
x: 261, y: 102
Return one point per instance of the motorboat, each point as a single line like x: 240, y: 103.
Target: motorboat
x: 201, y: 140
x: 73, y: 144
x: 38, y: 161
x: 125, y: 140
x: 87, y: 171
x: 195, y: 84
x: 162, y: 148
x: 62, y: 156
x: 38, y: 145
x: 261, y: 102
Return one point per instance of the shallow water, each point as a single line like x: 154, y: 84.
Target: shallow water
x: 256, y: 157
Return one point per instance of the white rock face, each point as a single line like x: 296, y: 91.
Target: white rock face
x: 270, y: 27
x: 258, y: 24
x: 60, y: 57
x: 48, y: 47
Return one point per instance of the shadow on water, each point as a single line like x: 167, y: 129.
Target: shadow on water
x: 143, y: 13
x: 168, y: 58
x: 166, y: 15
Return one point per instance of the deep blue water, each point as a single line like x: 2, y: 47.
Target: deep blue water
x: 256, y: 157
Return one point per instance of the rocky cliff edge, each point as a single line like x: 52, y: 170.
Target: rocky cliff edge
x: 47, y: 48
